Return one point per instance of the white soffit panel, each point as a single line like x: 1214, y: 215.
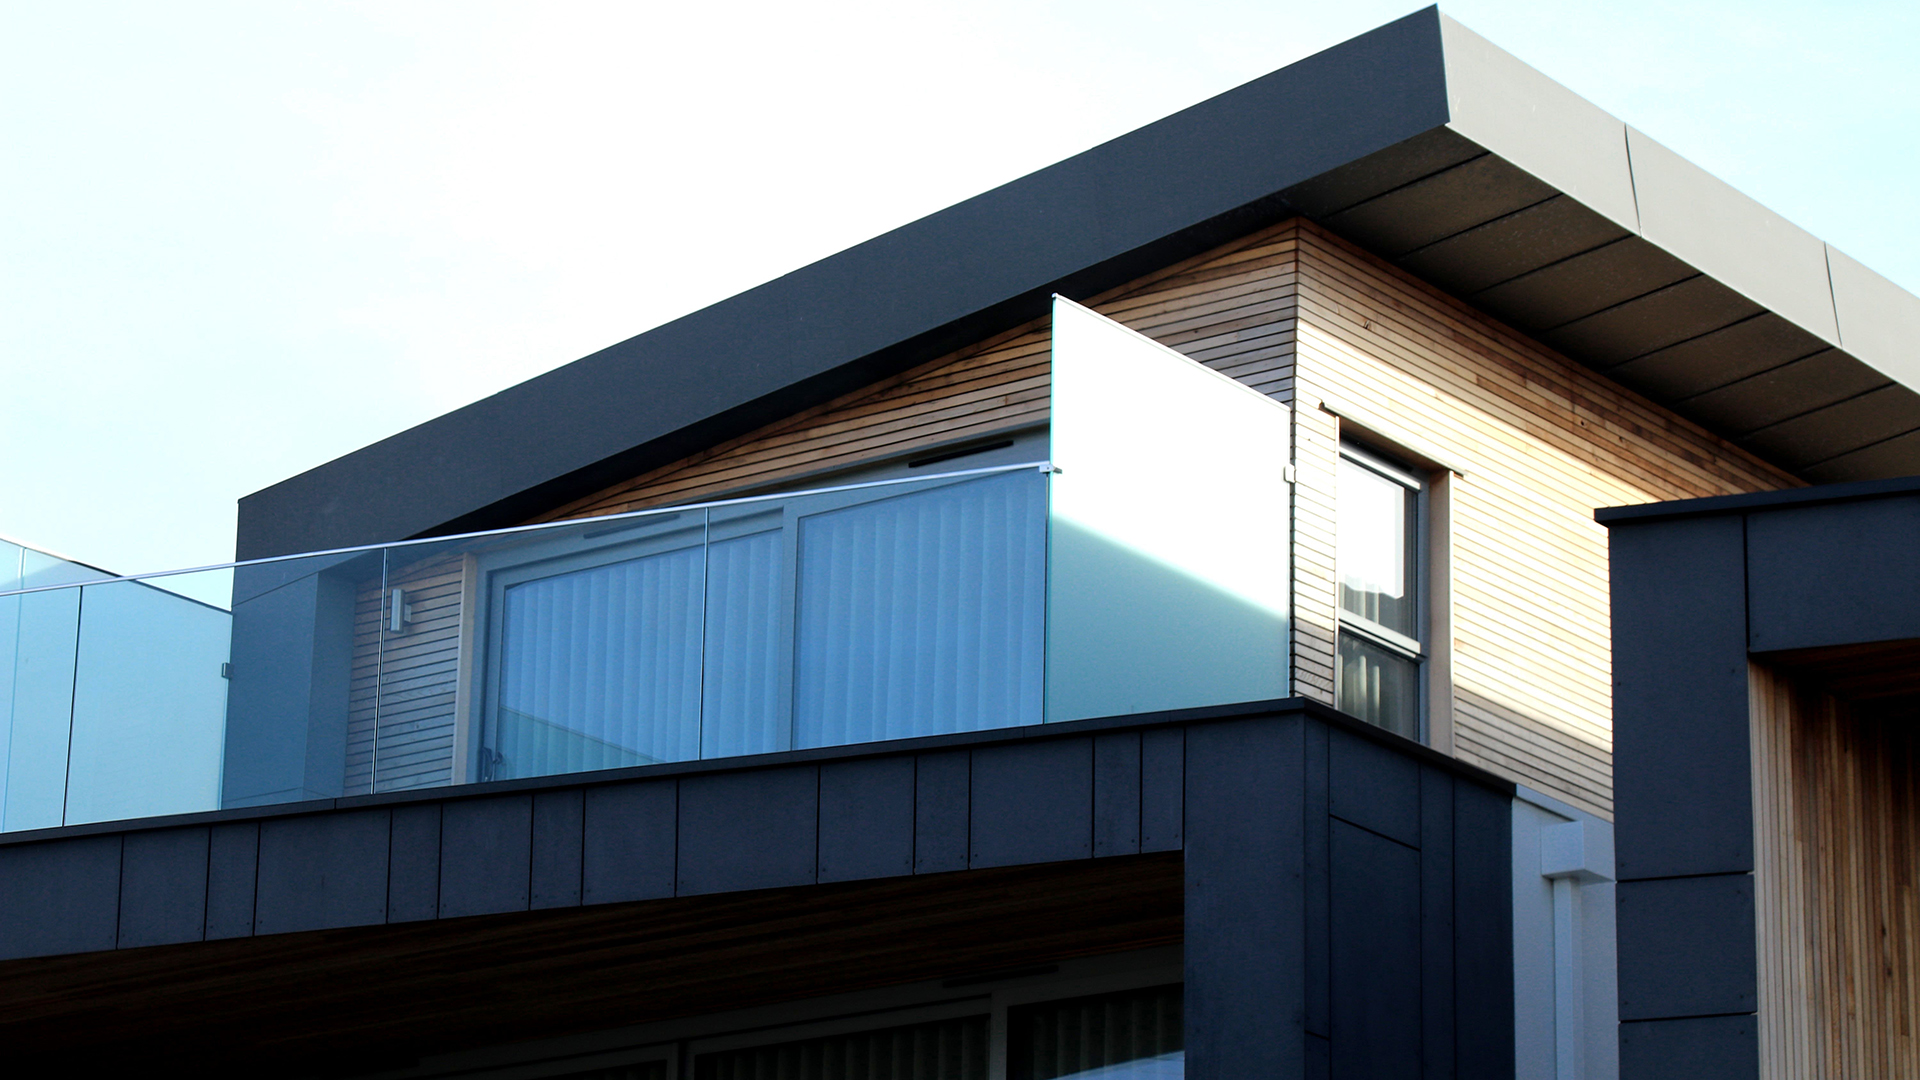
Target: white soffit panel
x: 1706, y: 223
x: 1879, y: 321
x: 1537, y: 124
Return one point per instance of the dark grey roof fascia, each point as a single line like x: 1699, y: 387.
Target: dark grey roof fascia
x: 1420, y: 141
x: 1857, y: 491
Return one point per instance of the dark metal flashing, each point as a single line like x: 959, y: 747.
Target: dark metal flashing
x: 1758, y: 500
x: 818, y: 755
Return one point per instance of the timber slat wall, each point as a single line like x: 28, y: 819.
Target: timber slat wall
x: 1305, y: 317
x: 1836, y: 824
x: 1543, y: 442
x: 417, y: 674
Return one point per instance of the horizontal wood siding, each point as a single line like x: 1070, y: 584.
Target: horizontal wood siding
x: 410, y: 680
x: 1837, y: 833
x: 1543, y: 441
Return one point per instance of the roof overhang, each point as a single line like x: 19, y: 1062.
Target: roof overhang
x: 1418, y: 140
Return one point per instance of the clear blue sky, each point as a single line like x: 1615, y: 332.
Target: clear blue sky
x: 241, y: 239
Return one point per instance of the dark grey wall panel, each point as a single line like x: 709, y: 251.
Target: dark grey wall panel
x: 59, y: 896
x: 1163, y: 777
x: 413, y: 881
x: 748, y: 830
x: 163, y: 887
x: 233, y: 864
x: 1592, y: 281
x: 1682, y: 775
x: 1699, y: 1048
x: 1686, y: 946
x: 1374, y: 787
x: 1319, y: 883
x: 556, y: 849
x: 1245, y: 898
x: 866, y: 819
x: 1437, y: 1012
x: 1774, y: 395
x: 1116, y: 794
x: 1834, y: 574
x: 1438, y: 206
x: 321, y: 871
x: 1482, y: 932
x: 1032, y: 802
x: 631, y: 841
x: 940, y: 788
x: 1376, y: 1002
x: 485, y: 855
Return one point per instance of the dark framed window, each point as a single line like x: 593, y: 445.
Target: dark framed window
x: 1381, y: 644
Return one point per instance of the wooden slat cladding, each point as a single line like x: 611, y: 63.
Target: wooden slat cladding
x: 1543, y: 442
x: 1837, y: 833
x: 416, y: 676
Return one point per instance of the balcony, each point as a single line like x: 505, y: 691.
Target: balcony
x: 1140, y: 564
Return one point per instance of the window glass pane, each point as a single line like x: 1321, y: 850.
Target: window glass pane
x: 600, y: 668
x: 941, y: 1050
x: 1376, y: 551
x: 921, y: 614
x: 1379, y: 687
x: 1137, y: 1035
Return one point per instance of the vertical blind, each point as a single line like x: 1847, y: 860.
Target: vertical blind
x: 922, y: 614
x: 875, y: 616
x: 1136, y: 1035
x: 940, y: 1050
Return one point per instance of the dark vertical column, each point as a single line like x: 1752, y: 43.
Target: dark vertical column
x: 1683, y: 792
x: 1436, y: 924
x: 1246, y: 898
x: 1482, y: 932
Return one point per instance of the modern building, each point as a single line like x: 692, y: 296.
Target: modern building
x: 1148, y: 619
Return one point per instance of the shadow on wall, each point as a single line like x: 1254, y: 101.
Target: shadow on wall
x: 1542, y: 754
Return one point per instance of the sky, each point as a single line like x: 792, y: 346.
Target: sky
x: 238, y: 240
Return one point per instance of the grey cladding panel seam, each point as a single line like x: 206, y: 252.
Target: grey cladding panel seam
x: 866, y: 819
x: 1163, y: 768
x: 557, y: 844
x: 59, y: 896
x: 163, y: 887
x: 1374, y: 787
x: 485, y: 855
x: 1116, y: 794
x: 413, y: 881
x: 1700, y: 1048
x: 1483, y: 931
x: 1245, y: 897
x: 322, y: 871
x: 748, y: 830
x: 1376, y: 955
x: 232, y: 866
x: 629, y: 849
x: 1682, y: 775
x: 1031, y: 802
x: 1834, y: 574
x: 1686, y: 947
x: 1437, y: 1014
x: 940, y: 814
x: 964, y: 272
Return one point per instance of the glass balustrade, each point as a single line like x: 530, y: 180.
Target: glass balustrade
x: 1143, y: 568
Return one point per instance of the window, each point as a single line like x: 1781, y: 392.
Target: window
x: 1380, y: 644
x: 849, y: 615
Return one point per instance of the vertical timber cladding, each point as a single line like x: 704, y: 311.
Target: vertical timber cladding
x: 1836, y: 825
x: 1543, y: 441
